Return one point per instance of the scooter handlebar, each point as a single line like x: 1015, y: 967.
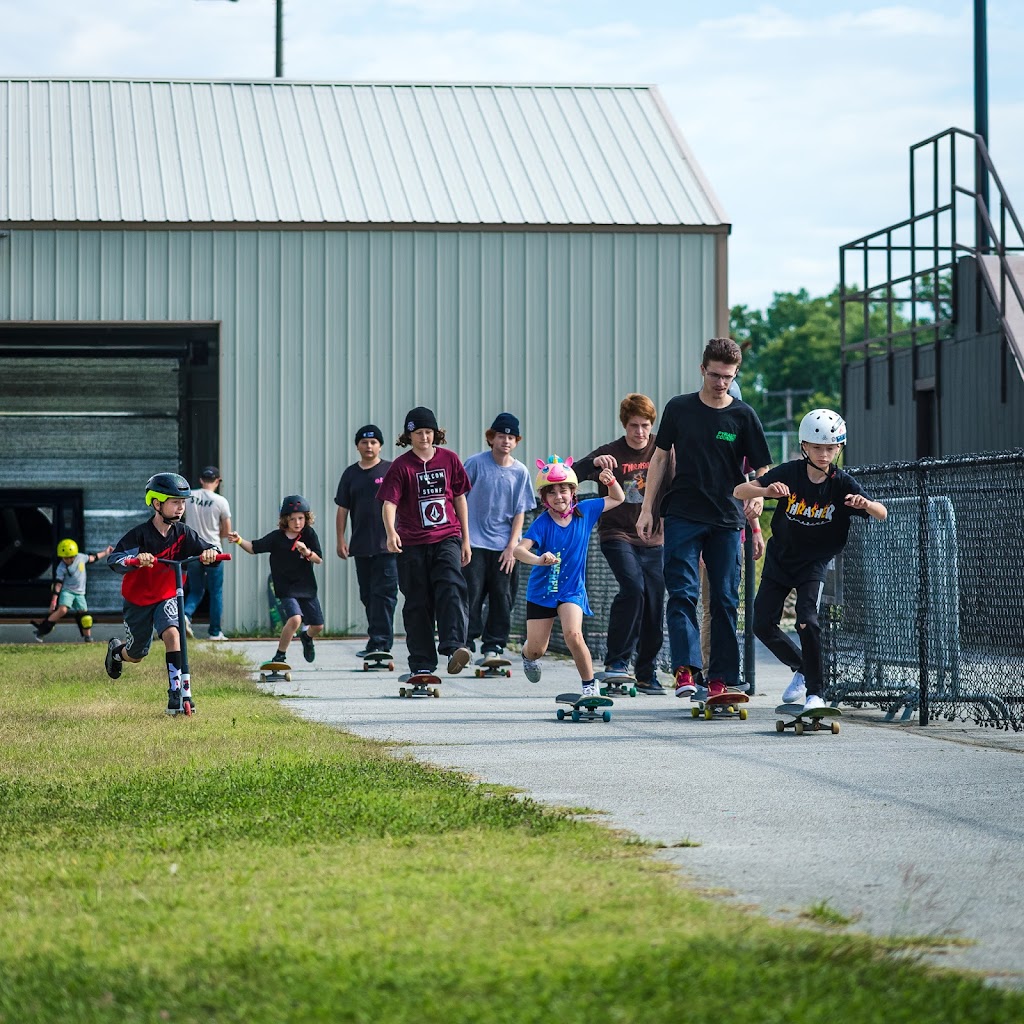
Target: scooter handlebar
x: 134, y: 561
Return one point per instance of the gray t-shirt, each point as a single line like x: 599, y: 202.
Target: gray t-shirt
x: 499, y: 494
x: 72, y: 577
x: 204, y: 512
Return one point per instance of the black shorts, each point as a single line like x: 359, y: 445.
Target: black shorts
x: 307, y: 607
x: 541, y: 611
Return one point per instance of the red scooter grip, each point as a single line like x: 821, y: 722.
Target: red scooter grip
x: 224, y: 556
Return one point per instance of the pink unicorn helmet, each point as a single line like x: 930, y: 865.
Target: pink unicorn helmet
x: 555, y: 471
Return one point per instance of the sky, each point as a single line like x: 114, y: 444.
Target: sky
x: 800, y: 112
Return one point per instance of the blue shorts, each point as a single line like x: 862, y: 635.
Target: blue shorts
x: 307, y: 607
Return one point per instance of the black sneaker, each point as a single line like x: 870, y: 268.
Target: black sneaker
x: 365, y: 651
x: 308, y: 650
x: 110, y: 663
x: 173, y: 701
x: 649, y: 686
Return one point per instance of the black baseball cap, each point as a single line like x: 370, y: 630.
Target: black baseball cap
x: 371, y: 430
x: 210, y: 473
x: 506, y: 423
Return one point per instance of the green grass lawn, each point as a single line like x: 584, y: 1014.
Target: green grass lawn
x: 248, y: 866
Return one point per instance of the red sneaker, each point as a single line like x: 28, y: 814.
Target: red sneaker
x: 716, y: 688
x: 684, y: 682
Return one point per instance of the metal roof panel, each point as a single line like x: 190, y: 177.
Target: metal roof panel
x: 271, y: 152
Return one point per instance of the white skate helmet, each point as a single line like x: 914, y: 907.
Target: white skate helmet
x: 823, y: 426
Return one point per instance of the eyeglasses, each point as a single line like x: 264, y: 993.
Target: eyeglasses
x: 725, y: 378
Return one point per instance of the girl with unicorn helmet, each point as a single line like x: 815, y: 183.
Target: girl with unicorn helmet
x: 559, y: 585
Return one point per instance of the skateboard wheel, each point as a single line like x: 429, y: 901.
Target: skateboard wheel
x: 798, y: 728
x: 479, y: 673
x: 263, y: 677
x: 708, y: 712
x: 401, y: 691
x: 743, y: 714
x: 391, y: 666
x: 603, y: 691
x: 780, y: 725
x: 287, y: 677
x: 835, y: 728
x: 694, y: 712
x: 560, y: 714
x: 575, y: 715
x: 606, y: 715
x: 632, y: 691
x: 435, y: 692
x: 508, y: 673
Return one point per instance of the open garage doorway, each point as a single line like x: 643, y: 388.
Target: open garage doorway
x: 87, y: 413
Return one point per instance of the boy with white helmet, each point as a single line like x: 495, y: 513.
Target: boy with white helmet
x: 559, y: 587
x: 810, y: 527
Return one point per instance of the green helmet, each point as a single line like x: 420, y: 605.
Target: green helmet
x: 162, y: 486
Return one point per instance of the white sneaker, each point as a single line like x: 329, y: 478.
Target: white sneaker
x: 813, y: 701
x: 217, y: 636
x: 589, y: 690
x: 796, y: 692
x: 531, y: 669
x: 188, y: 627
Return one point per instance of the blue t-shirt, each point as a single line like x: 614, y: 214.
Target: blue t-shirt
x: 550, y: 585
x: 499, y: 494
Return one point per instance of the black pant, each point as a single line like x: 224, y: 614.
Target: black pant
x: 635, y: 622
x: 768, y: 605
x: 486, y: 579
x: 431, y: 579
x: 378, y: 590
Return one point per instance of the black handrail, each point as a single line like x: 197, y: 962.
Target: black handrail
x: 942, y: 217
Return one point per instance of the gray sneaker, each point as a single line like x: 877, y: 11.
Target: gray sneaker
x: 531, y: 669
x: 458, y: 660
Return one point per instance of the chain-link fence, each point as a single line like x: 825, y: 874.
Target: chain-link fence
x: 923, y: 612
x: 601, y: 590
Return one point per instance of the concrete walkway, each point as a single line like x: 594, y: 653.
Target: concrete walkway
x: 910, y: 832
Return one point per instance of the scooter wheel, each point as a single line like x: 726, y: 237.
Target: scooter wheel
x: 186, y: 706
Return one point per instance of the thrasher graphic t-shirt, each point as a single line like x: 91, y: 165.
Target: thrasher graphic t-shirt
x: 423, y: 494
x: 810, y: 525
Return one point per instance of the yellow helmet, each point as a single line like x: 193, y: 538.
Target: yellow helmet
x: 67, y: 548
x: 555, y: 470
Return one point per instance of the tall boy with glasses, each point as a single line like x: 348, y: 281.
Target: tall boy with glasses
x: 710, y: 433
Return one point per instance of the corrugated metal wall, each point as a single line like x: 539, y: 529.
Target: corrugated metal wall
x: 322, y: 331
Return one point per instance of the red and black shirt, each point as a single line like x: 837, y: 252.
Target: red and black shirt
x: 149, y: 586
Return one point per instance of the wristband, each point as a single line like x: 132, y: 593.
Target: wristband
x: 239, y: 541
x: 757, y: 529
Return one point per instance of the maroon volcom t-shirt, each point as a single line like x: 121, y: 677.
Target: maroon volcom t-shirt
x: 423, y: 494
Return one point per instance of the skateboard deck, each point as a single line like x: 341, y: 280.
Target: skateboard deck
x: 275, y: 672
x: 378, y: 661
x: 807, y: 720
x: 422, y: 684
x: 621, y: 684
x: 585, y: 709
x: 274, y: 606
x: 493, y: 665
x: 722, y: 705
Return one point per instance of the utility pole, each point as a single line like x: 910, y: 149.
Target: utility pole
x: 981, y: 238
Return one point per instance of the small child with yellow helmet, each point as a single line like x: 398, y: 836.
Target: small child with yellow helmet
x: 69, y: 590
x: 558, y: 586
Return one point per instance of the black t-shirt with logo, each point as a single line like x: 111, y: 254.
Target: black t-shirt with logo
x: 710, y: 447
x: 357, y: 491
x: 811, y: 525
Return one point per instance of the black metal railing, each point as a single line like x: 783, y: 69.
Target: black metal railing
x: 922, y: 612
x: 898, y: 285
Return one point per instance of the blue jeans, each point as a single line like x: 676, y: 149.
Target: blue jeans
x: 685, y: 543
x: 200, y: 579
x: 635, y: 618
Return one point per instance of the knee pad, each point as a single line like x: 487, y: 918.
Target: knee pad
x: 84, y: 620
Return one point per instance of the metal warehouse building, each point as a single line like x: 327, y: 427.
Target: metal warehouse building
x: 241, y: 273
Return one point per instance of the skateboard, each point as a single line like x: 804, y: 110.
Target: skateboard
x: 423, y: 684
x: 584, y: 708
x: 803, y: 720
x: 493, y: 665
x: 274, y: 607
x: 275, y: 672
x: 723, y: 705
x: 378, y: 661
x: 621, y: 684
